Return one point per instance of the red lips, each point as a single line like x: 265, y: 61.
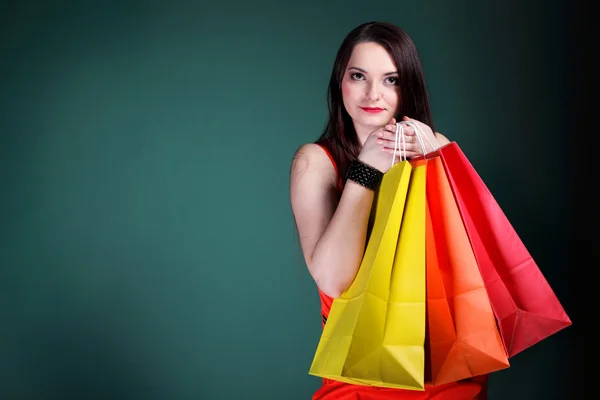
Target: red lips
x: 372, y: 110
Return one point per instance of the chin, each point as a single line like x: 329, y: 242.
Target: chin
x: 375, y: 121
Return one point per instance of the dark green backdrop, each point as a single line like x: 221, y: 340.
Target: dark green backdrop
x: 147, y: 244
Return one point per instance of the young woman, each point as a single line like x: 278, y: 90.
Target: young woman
x: 377, y: 80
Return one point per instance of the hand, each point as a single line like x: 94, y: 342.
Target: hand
x: 383, y: 140
x: 429, y: 141
x: 414, y: 148
x: 375, y: 149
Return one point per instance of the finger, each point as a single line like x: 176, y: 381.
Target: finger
x: 386, y: 135
x: 391, y: 142
x: 409, y: 148
x: 409, y: 142
x: 391, y: 125
x: 391, y: 134
x: 408, y: 129
x: 390, y: 128
x: 402, y: 154
x: 386, y: 130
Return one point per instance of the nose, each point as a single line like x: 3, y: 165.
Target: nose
x: 373, y: 92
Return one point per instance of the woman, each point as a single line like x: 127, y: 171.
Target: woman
x: 377, y: 79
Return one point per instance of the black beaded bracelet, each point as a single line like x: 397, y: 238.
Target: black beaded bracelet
x: 364, y: 174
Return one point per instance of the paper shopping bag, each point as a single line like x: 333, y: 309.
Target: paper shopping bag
x: 375, y: 331
x: 463, y: 338
x: 525, y: 305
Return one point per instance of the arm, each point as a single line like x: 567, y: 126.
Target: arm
x: 332, y: 234
x: 443, y: 140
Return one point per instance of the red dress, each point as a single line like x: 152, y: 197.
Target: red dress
x: 468, y: 389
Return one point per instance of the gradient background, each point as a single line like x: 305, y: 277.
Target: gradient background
x: 147, y: 246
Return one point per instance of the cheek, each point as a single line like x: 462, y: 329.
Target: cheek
x: 393, y: 98
x: 347, y: 90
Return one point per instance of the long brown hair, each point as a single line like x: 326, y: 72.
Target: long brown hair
x: 339, y: 133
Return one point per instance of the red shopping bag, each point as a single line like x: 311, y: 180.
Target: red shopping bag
x: 463, y: 340
x: 526, y: 308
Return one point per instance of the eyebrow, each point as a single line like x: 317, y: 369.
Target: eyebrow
x: 364, y: 72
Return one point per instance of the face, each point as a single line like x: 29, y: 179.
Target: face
x: 370, y: 90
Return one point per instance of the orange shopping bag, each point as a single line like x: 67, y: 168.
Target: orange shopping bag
x: 463, y: 338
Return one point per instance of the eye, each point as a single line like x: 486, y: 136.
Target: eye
x: 357, y: 76
x: 392, y: 80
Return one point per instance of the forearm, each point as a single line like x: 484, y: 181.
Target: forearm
x: 338, y: 253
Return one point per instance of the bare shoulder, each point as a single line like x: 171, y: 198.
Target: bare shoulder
x: 442, y: 139
x: 311, y: 162
x: 310, y: 152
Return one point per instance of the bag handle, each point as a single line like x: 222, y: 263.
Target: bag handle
x: 399, y: 134
x: 420, y: 134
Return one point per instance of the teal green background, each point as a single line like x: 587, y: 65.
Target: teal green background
x: 147, y: 246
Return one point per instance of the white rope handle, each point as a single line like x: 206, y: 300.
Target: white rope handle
x: 395, y: 145
x: 421, y: 143
x: 418, y: 130
x: 399, y: 133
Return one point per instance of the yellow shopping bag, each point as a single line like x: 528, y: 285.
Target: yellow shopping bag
x: 375, y: 332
